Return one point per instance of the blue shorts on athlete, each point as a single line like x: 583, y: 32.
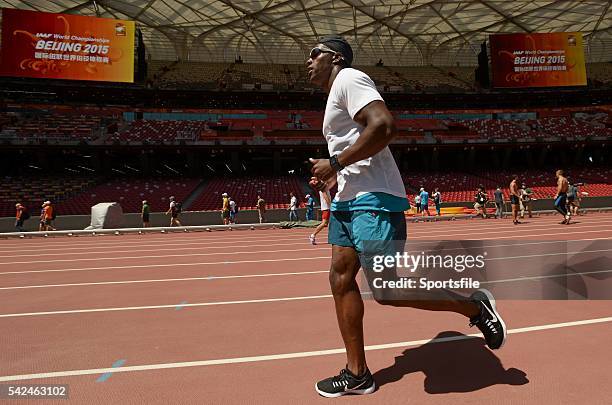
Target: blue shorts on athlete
x: 372, y: 224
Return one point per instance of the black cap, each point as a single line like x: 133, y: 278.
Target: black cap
x: 340, y: 45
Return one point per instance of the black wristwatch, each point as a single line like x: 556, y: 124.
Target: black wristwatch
x: 333, y: 161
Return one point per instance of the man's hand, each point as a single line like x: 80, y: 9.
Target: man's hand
x: 318, y: 184
x: 321, y: 169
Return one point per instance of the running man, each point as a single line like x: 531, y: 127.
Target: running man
x: 325, y: 199
x: 515, y: 198
x: 369, y: 205
x: 561, y: 197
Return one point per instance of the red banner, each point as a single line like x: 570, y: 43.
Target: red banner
x: 538, y: 60
x: 66, y: 46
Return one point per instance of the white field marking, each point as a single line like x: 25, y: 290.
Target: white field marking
x: 213, y: 263
x: 115, y: 242
x: 95, y: 259
x: 297, y: 273
x: 516, y: 231
x: 166, y: 280
x: 148, y: 266
x: 156, y: 249
x: 197, y: 304
x: 255, y: 301
x: 285, y: 356
x: 165, y: 241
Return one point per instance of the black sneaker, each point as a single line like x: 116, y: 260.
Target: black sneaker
x: 346, y: 383
x: 489, y: 321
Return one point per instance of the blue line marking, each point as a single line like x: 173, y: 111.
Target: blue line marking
x: 106, y: 376
x: 181, y: 305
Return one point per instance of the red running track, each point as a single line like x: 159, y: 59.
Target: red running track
x: 246, y: 317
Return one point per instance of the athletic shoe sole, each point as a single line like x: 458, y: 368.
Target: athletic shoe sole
x: 364, y: 391
x: 499, y: 318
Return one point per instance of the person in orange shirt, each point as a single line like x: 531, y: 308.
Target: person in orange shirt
x: 20, y: 216
x: 46, y: 217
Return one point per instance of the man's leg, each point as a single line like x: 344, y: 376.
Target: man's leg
x: 560, y: 206
x: 349, y: 305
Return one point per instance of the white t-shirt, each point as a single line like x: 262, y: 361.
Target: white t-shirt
x: 324, y: 204
x: 232, y: 205
x: 172, y: 204
x: 293, y: 205
x: 351, y: 91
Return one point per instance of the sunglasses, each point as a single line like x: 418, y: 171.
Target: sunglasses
x: 315, y: 52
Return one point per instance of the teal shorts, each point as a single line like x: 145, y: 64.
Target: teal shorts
x: 357, y: 229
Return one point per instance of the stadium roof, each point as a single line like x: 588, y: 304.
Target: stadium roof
x: 409, y: 32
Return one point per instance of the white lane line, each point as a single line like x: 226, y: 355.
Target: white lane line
x: 112, y: 240
x: 255, y: 301
x: 93, y: 243
x: 148, y: 266
x: 95, y: 259
x: 167, y: 280
x: 296, y: 273
x: 197, y: 304
x: 169, y: 247
x: 285, y: 356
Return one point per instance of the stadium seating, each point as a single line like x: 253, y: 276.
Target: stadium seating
x: 130, y: 193
x: 53, y: 127
x: 274, y: 190
x: 33, y: 191
x: 173, y: 74
x: 153, y: 131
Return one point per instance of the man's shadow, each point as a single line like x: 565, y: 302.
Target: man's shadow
x: 461, y: 365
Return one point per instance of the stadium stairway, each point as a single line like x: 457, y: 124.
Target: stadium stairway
x: 194, y: 195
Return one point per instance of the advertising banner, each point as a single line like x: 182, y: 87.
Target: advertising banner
x: 538, y: 60
x: 66, y: 46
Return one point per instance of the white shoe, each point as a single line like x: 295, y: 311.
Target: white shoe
x: 312, y: 239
